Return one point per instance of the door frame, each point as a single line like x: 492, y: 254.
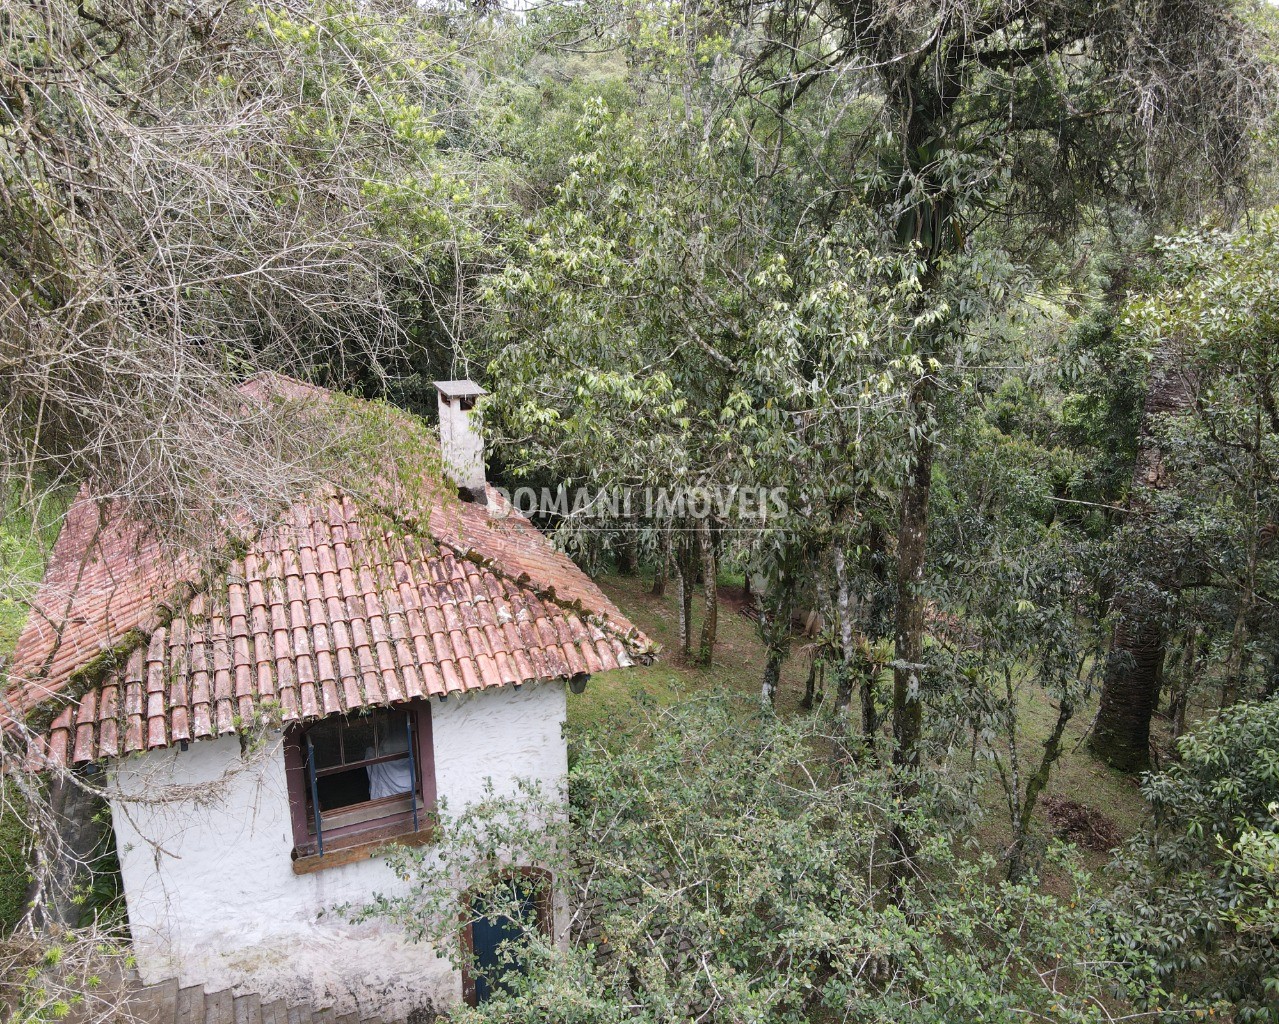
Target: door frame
x: 544, y: 904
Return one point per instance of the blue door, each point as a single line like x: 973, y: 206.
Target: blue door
x: 488, y: 934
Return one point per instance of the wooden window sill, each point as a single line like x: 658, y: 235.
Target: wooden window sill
x: 400, y: 805
x: 305, y: 864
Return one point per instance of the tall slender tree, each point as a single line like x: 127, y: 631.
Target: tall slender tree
x: 994, y: 119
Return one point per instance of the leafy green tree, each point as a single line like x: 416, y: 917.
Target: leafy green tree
x: 1028, y: 626
x: 1256, y: 854
x: 618, y: 325
x: 1199, y: 880
x: 1204, y: 535
x: 1026, y: 113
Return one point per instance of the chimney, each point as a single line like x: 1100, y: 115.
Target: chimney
x: 461, y: 443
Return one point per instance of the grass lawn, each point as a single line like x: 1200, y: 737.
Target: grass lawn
x: 615, y: 697
x: 739, y: 657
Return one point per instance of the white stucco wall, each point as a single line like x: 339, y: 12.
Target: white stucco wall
x: 209, y: 883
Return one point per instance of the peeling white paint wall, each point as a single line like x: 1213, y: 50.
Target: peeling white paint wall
x: 209, y: 882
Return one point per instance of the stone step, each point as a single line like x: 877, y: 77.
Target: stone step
x: 157, y: 1004
x: 248, y: 1009
x: 276, y: 1012
x: 219, y: 1007
x: 191, y: 1005
x: 166, y: 1002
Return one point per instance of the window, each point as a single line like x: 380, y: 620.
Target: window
x: 360, y: 778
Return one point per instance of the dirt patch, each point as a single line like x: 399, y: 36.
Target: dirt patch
x: 1083, y: 825
x: 736, y: 599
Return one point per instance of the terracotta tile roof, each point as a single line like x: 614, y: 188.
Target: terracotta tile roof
x: 106, y: 579
x: 332, y: 609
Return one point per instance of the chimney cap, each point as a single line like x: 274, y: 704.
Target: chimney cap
x: 459, y: 389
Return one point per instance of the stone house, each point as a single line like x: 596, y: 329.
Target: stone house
x: 386, y: 671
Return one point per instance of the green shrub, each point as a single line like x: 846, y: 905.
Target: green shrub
x: 736, y: 874
x: 1203, y: 879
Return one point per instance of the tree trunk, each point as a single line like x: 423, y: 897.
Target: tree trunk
x: 909, y: 625
x: 685, y: 573
x: 870, y: 717
x: 775, y: 633
x: 1121, y: 735
x: 774, y: 630
x: 662, y: 570
x: 1272, y: 677
x: 628, y: 553
x: 910, y: 621
x: 710, y: 594
x: 1035, y: 785
x: 772, y: 675
x: 1185, y: 681
x: 847, y: 649
x: 876, y: 558
x: 815, y: 684
x: 1129, y: 689
x: 1238, y: 659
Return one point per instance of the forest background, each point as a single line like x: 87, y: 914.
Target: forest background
x: 987, y: 289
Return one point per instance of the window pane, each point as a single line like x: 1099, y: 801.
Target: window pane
x: 325, y: 739
x: 389, y: 778
x: 392, y: 733
x: 359, y: 738
x: 342, y: 789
